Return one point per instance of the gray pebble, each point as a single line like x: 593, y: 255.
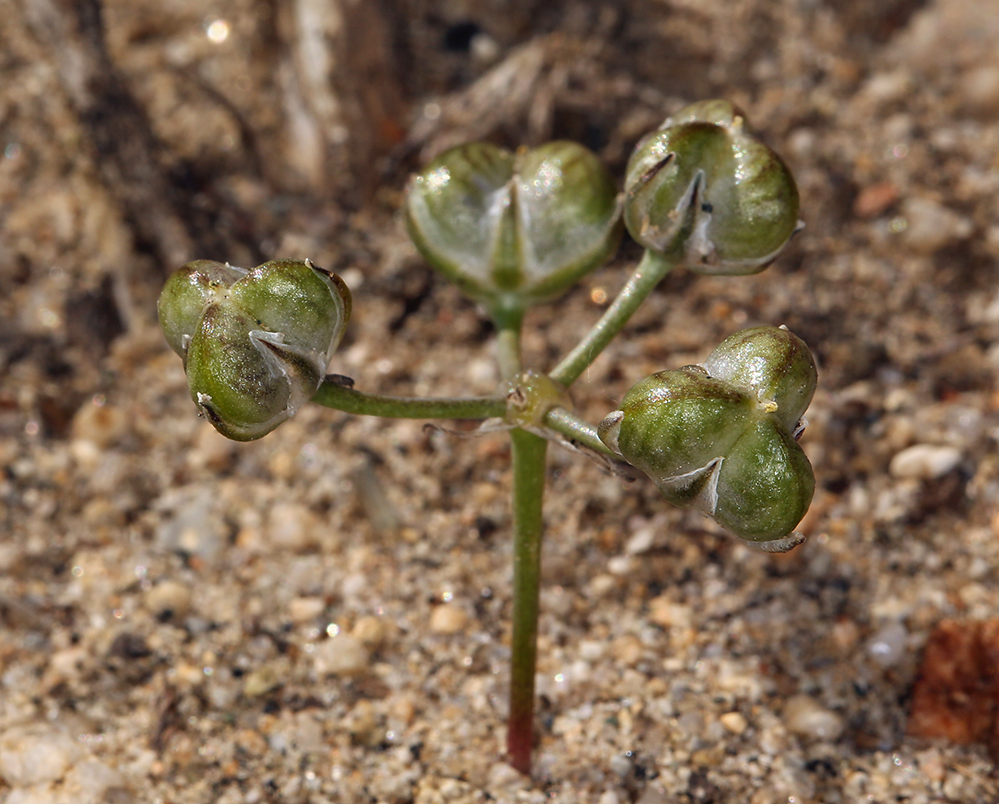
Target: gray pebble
x: 806, y: 717
x: 924, y: 461
x: 887, y: 647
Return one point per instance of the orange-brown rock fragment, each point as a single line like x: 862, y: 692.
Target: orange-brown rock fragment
x: 956, y: 694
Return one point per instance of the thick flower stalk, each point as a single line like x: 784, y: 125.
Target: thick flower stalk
x: 722, y: 437
x: 255, y: 344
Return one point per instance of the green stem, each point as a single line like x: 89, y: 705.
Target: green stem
x: 575, y: 429
x: 508, y: 345
x: 528, y: 493
x: 649, y: 273
x: 528, y: 458
x: 348, y: 400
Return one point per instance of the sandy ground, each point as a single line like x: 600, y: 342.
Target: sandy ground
x: 322, y: 616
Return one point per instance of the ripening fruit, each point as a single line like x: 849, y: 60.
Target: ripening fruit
x: 722, y: 437
x: 703, y: 189
x: 255, y: 343
x: 772, y: 361
x: 514, y: 229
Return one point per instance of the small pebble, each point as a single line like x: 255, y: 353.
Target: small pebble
x: 931, y: 764
x: 35, y: 754
x: 292, y: 528
x: 806, y: 717
x: 11, y: 554
x: 621, y: 565
x: 222, y: 690
x: 484, y: 49
x: 664, y: 612
x: 601, y: 585
x: 364, y: 724
x: 38, y: 794
x: 737, y: 679
x: 370, y: 630
x: 844, y: 635
x: 92, y: 781
x: 211, y: 450
x: 980, y: 89
x: 924, y: 461
x: 86, y: 454
x: 169, y: 599
x: 252, y: 742
x: 343, y: 655
x: 887, y: 647
x: 264, y: 680
x: 194, y: 526
x: 187, y: 676
x: 640, y: 541
x: 448, y: 619
x: 303, y: 609
x: 887, y: 87
x: 734, y: 722
x: 874, y: 199
x: 953, y: 787
x: 621, y: 765
x: 100, y: 423
x: 627, y: 649
x: 691, y: 724
x: 401, y: 708
x: 64, y: 665
x: 931, y: 226
x: 308, y: 733
x: 504, y: 781
x: 654, y: 794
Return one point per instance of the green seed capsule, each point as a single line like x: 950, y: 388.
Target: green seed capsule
x: 512, y: 230
x: 186, y: 294
x: 774, y: 363
x: 764, y: 487
x: 721, y: 437
x: 255, y: 343
x: 702, y: 187
x: 674, y: 424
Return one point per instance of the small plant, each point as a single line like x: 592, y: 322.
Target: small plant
x: 517, y: 229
